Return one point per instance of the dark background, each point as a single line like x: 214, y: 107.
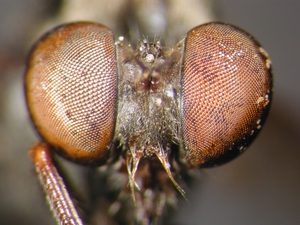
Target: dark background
x: 260, y: 187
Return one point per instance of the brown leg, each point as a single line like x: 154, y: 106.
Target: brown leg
x: 56, y: 193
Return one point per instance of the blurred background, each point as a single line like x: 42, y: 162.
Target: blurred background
x: 260, y: 187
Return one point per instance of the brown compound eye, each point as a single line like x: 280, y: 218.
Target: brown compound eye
x: 226, y: 93
x: 71, y: 90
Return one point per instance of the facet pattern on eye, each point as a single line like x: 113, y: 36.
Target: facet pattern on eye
x: 224, y: 75
x: 75, y: 92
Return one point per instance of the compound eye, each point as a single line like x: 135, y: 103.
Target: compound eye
x: 71, y: 90
x: 226, y: 93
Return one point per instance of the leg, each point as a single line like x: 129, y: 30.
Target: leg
x: 56, y: 193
